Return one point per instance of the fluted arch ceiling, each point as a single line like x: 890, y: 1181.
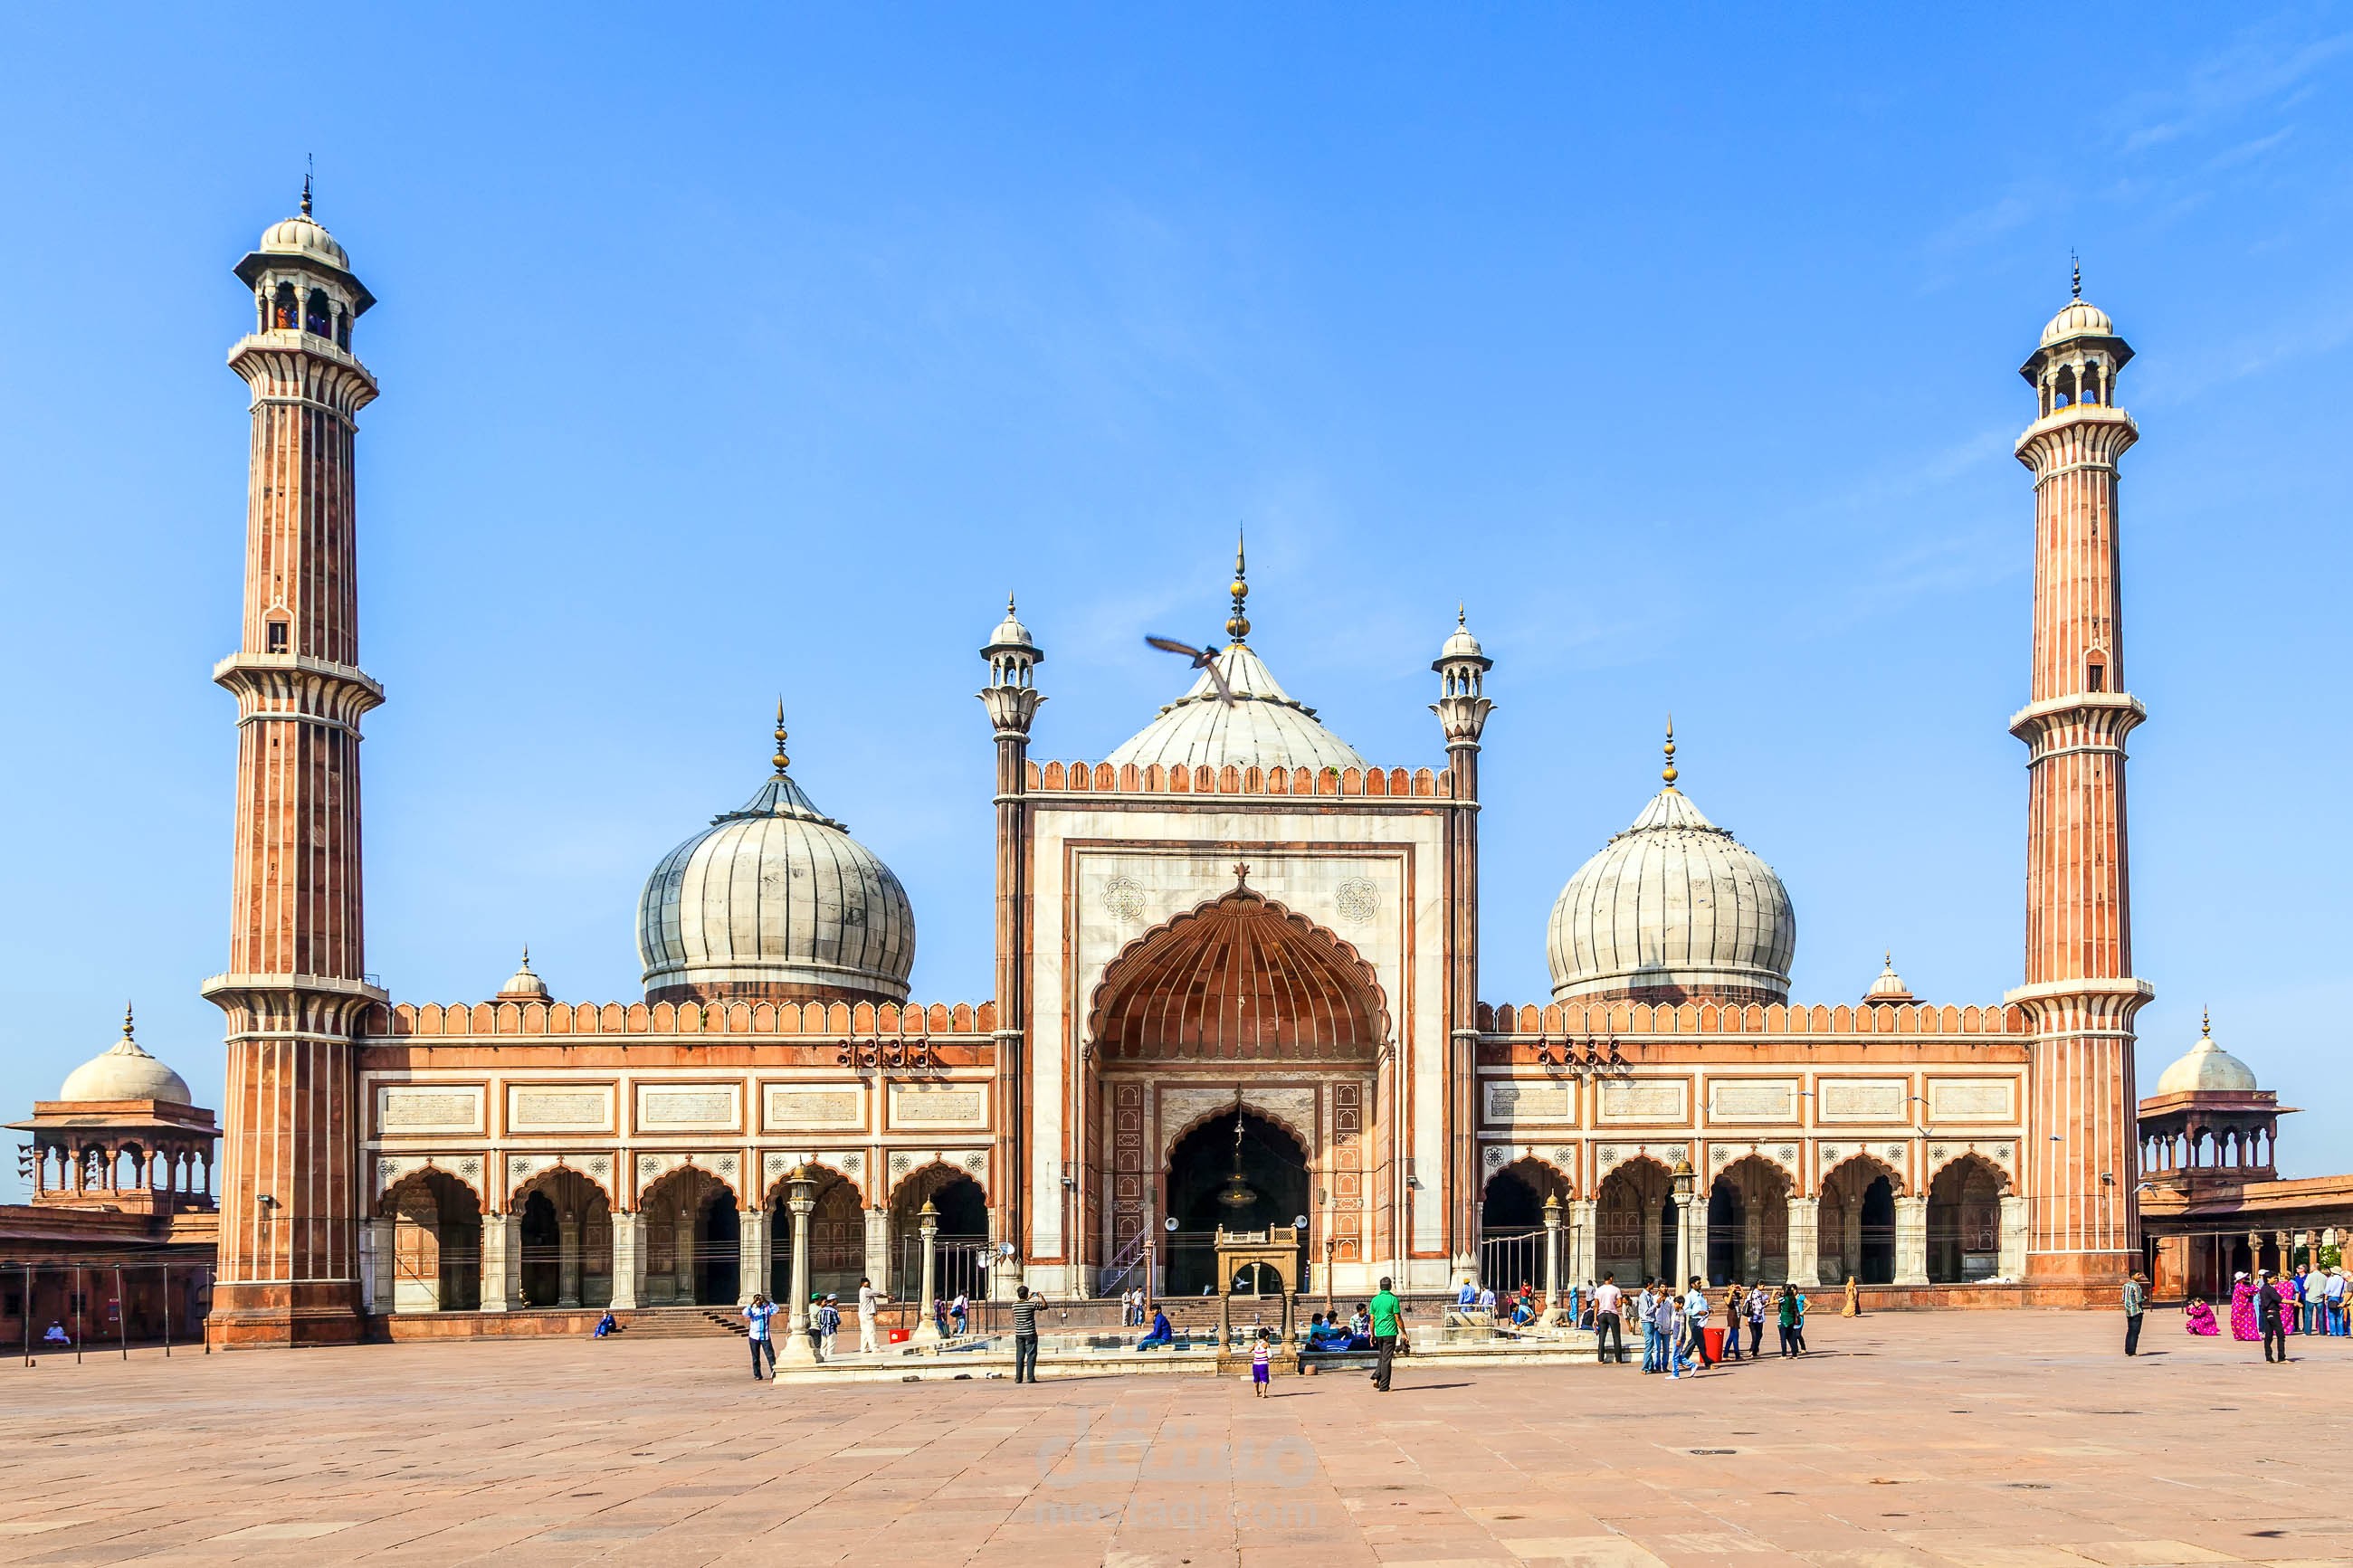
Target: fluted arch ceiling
x: 1238, y: 979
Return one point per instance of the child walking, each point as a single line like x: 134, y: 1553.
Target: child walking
x: 1261, y: 1365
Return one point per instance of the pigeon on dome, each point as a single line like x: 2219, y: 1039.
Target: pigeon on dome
x: 524, y: 985
x: 1889, y: 988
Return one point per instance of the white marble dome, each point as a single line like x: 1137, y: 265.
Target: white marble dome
x: 775, y: 899
x: 1673, y: 905
x: 303, y: 236
x: 2207, y: 1068
x: 1263, y: 727
x: 2078, y: 319
x: 125, y: 1071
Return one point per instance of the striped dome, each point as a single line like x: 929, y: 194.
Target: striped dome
x: 1674, y: 907
x: 774, y: 900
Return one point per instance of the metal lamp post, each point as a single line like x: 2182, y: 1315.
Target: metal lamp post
x: 1686, y: 1185
x: 800, y: 1189
x: 1551, y: 1212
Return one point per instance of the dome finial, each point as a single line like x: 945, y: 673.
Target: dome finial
x: 126, y: 1020
x: 310, y: 167
x: 1669, y: 772
x: 780, y: 761
x: 2205, y: 1023
x: 1237, y: 624
x: 2076, y: 270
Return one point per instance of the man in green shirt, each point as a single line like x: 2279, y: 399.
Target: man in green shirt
x: 1389, y: 1316
x: 2135, y: 1302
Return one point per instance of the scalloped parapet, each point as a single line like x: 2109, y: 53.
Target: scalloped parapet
x: 1564, y: 1019
x: 1103, y: 778
x: 578, y: 1018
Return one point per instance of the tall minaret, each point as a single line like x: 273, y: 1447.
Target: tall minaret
x: 291, y: 1196
x: 1462, y: 706
x: 1011, y: 697
x: 2080, y: 996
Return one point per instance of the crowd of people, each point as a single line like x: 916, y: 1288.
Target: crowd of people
x: 1675, y: 1324
x: 2270, y: 1307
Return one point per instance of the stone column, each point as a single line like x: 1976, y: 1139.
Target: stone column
x: 567, y: 1260
x: 927, y: 1327
x: 752, y: 1255
x: 629, y: 1259
x: 2016, y: 1214
x: 375, y: 1275
x: 1584, y: 1242
x: 802, y: 1201
x: 1911, y: 1241
x: 501, y: 1262
x: 877, y: 1249
x: 1805, y: 1242
x: 1551, y: 1218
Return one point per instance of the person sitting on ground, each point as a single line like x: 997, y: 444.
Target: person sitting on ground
x: 56, y: 1335
x: 606, y: 1324
x: 1360, y: 1329
x: 1161, y: 1335
x: 1523, y: 1311
x: 2197, y: 1318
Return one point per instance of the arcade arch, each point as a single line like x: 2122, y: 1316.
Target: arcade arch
x: 1749, y: 1223
x: 1856, y: 1222
x: 691, y: 1239
x: 437, y: 1243
x: 1635, y: 1223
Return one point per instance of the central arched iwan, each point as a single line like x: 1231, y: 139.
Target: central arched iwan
x: 1238, y: 979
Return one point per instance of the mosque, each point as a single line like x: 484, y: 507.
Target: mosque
x: 1236, y: 983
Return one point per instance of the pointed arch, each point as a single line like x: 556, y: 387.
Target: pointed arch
x: 1238, y: 978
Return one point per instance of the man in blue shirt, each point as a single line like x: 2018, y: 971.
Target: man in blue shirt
x: 757, y: 1315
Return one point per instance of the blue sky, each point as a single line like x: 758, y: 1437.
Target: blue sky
x: 765, y: 350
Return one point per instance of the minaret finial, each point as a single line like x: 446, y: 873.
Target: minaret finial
x: 1237, y: 624
x: 126, y: 1020
x: 2205, y: 1023
x: 1461, y: 616
x: 1669, y: 772
x: 310, y: 167
x: 780, y: 761
x: 2075, y: 268
x: 1008, y: 601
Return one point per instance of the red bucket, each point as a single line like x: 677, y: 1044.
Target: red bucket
x: 1713, y: 1335
x: 898, y: 1336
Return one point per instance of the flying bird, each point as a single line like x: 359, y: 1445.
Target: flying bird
x: 1203, y: 658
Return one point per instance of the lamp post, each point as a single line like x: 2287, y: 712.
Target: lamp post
x: 1552, y: 1211
x: 927, y: 1326
x: 1685, y: 1184
x: 801, y: 1197
x: 1330, y: 1250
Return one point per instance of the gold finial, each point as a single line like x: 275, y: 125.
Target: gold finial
x: 2076, y: 270
x: 1461, y: 617
x: 1008, y: 602
x: 308, y: 168
x: 780, y: 761
x: 1237, y: 624
x: 126, y: 1020
x: 1669, y: 772
x: 2205, y: 1023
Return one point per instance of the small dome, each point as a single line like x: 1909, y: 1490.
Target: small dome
x: 524, y: 985
x: 303, y: 236
x: 1889, y: 986
x: 1010, y: 633
x: 1263, y: 727
x: 2079, y: 319
x: 2208, y: 1069
x: 1674, y: 905
x: 123, y: 1072
x: 775, y: 899
x: 1462, y: 644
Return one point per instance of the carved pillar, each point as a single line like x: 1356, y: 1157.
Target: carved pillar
x: 1805, y: 1242
x: 1552, y: 1219
x: 1911, y: 1241
x: 927, y: 1326
x: 2017, y: 1215
x: 751, y: 1251
x: 877, y: 1249
x: 501, y: 1262
x: 1584, y: 1244
x: 629, y: 1259
x: 375, y: 1236
x: 801, y: 1200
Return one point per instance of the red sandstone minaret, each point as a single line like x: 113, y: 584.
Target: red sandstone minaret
x: 2080, y: 996
x: 290, y: 1192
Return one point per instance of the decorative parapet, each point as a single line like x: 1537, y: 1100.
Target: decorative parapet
x: 1102, y: 778
x: 560, y: 1019
x: 1564, y: 1019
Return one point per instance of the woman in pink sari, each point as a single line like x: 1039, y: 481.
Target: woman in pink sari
x: 2199, y: 1319
x: 2243, y: 1310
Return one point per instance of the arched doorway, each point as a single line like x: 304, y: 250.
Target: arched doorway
x: 1511, y: 1235
x: 1635, y: 1223
x: 690, y: 1240
x: 837, y: 1230
x: 437, y: 1243
x: 1242, y: 993
x: 1857, y: 1223
x: 1240, y: 1171
x: 567, y: 1241
x: 962, y: 1243
x: 1965, y: 1222
x: 1749, y: 1223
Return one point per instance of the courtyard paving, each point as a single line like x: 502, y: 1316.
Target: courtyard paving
x: 1989, y: 1440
